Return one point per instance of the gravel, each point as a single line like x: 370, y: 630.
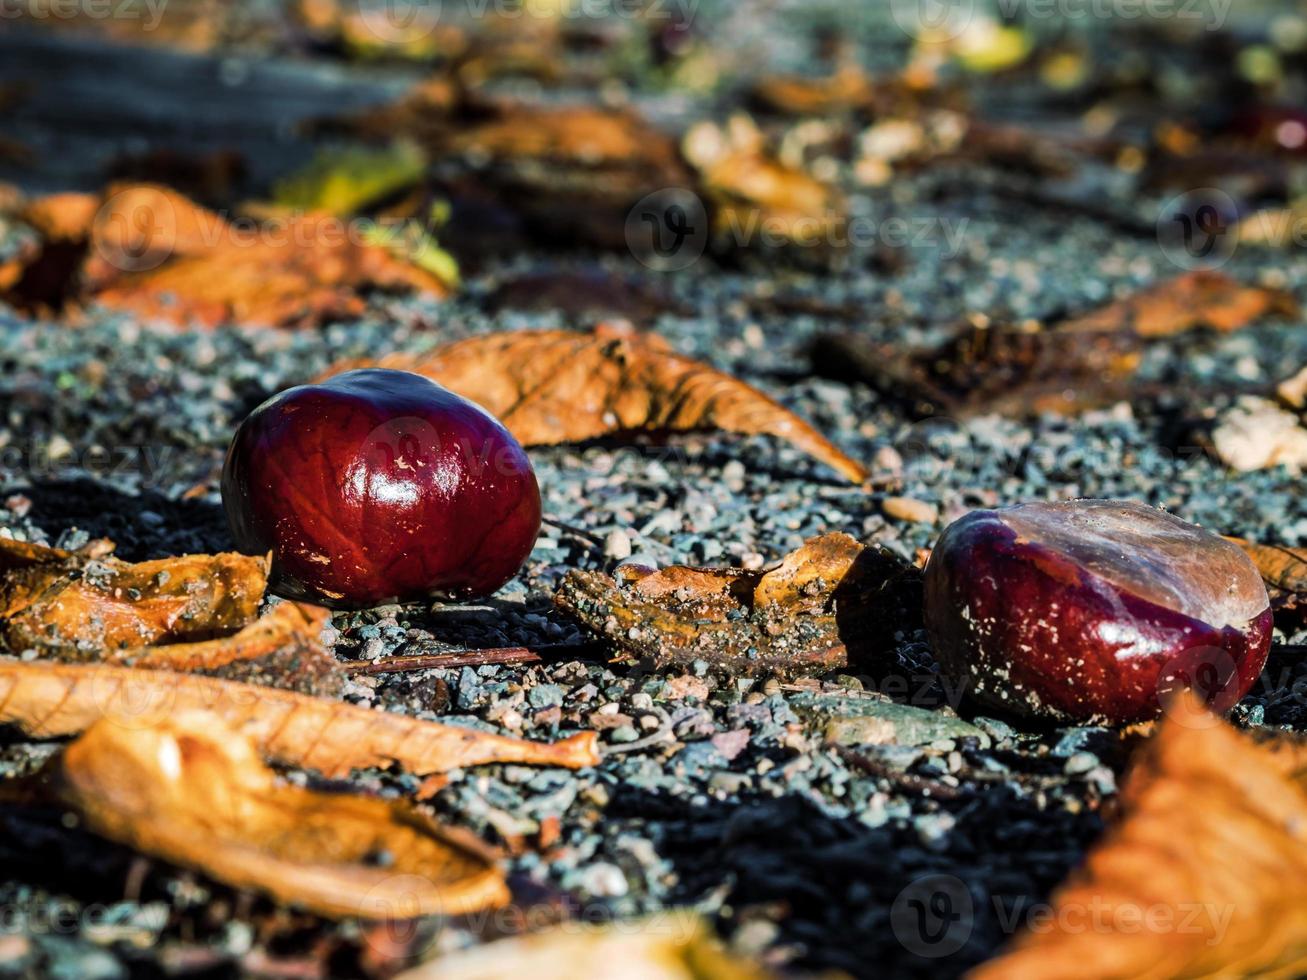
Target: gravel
x: 715, y: 793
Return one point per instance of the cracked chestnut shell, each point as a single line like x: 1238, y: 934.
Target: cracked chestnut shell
x: 377, y: 486
x: 1093, y: 610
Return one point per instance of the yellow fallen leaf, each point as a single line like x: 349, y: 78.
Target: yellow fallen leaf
x: 49, y: 700
x: 667, y: 947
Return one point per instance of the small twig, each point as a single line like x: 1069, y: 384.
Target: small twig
x: 472, y: 658
x: 455, y: 658
x: 915, y: 784
x: 577, y: 532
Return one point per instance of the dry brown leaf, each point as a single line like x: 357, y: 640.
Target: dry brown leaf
x: 823, y: 607
x: 1193, y: 300
x: 555, y: 386
x: 52, y: 599
x: 846, y: 89
x: 150, y: 251
x: 1283, y: 569
x: 1204, y: 874
x: 1018, y: 369
x: 193, y: 791
x: 569, y: 172
x: 49, y: 700
x: 666, y: 947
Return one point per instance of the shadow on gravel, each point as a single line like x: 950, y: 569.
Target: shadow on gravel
x: 869, y: 901
x: 146, y: 526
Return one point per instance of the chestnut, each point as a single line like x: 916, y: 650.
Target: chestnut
x: 1092, y: 611
x: 377, y: 486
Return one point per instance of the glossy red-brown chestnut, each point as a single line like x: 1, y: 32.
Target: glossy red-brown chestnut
x: 1093, y: 610
x: 378, y: 486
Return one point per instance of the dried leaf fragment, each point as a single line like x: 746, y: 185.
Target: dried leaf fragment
x: 555, y: 386
x: 49, y: 700
x: 756, y: 197
x: 52, y: 599
x: 1204, y: 875
x: 825, y: 606
x: 192, y: 790
x: 1283, y: 569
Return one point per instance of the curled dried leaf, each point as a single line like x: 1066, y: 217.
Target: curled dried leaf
x: 54, y: 600
x: 150, y: 251
x: 825, y: 606
x: 282, y: 648
x: 192, y: 790
x: 556, y: 386
x: 49, y: 700
x: 1204, y: 875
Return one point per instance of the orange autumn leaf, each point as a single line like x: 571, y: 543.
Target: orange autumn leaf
x: 50, y: 700
x: 53, y: 599
x: 193, y: 791
x: 1204, y: 874
x: 555, y: 386
x: 152, y: 252
x: 1189, y: 301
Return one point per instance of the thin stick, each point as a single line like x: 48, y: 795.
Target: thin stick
x: 905, y: 780
x: 455, y: 658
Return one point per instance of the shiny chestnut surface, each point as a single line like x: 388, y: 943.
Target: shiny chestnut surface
x: 378, y: 486
x: 1093, y: 610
